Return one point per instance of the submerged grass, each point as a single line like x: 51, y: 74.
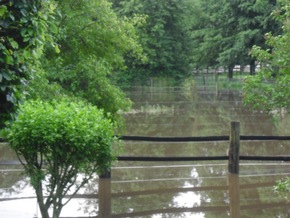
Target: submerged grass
x: 220, y: 81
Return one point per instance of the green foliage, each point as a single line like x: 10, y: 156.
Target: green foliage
x: 49, y: 50
x: 25, y: 28
x: 56, y: 141
x: 226, y: 30
x: 93, y: 42
x: 165, y: 37
x: 269, y: 90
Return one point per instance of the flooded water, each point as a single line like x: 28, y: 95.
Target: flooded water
x: 175, y: 189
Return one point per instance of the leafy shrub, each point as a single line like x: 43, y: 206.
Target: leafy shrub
x: 56, y: 141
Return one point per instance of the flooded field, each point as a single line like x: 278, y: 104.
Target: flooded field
x: 175, y: 189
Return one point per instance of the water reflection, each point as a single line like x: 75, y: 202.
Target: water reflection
x: 234, y: 195
x: 178, y: 189
x: 104, y: 198
x: 208, y: 194
x: 211, y: 192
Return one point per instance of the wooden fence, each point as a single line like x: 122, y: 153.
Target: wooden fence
x: 233, y: 158
x: 233, y: 186
x: 233, y: 155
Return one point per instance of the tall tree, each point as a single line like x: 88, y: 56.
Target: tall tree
x: 229, y: 29
x: 165, y: 37
x: 79, y: 62
x: 93, y: 42
x: 206, y: 32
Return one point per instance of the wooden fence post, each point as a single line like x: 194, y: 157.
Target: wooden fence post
x: 234, y: 148
x: 106, y: 175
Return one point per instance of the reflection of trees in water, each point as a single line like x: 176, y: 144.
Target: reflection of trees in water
x: 198, y: 116
x: 146, y: 188
x: 201, y: 115
x: 12, y: 179
x: 6, y: 153
x: 88, y: 195
x: 12, y: 184
x: 282, y: 122
x: 135, y: 196
x: 205, y: 115
x: 153, y: 189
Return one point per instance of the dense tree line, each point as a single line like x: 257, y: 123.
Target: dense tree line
x: 54, y: 48
x: 227, y: 30
x: 165, y: 37
x: 182, y: 35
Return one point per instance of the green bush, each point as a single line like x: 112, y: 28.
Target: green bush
x: 56, y: 141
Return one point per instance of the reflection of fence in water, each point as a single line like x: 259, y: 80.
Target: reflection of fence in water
x: 233, y: 206
x: 233, y: 187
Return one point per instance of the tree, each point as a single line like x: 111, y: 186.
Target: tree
x: 165, y: 37
x: 206, y: 33
x: 228, y: 29
x: 25, y: 27
x: 269, y: 90
x: 58, y: 141
x: 50, y: 50
x: 253, y: 19
x: 93, y: 43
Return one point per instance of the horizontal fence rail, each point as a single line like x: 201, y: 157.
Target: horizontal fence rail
x: 233, y: 156
x: 202, y: 138
x: 140, y: 158
x: 198, y: 138
x: 175, y: 139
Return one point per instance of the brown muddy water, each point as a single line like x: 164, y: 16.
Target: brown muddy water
x: 175, y: 189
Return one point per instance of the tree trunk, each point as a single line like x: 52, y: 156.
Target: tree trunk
x: 40, y: 200
x: 56, y: 212
x: 252, y: 67
x: 57, y: 205
x: 231, y: 72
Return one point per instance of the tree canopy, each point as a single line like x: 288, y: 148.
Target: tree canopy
x: 93, y: 42
x: 56, y: 143
x: 269, y: 90
x: 165, y: 37
x: 55, y: 48
x: 226, y: 31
